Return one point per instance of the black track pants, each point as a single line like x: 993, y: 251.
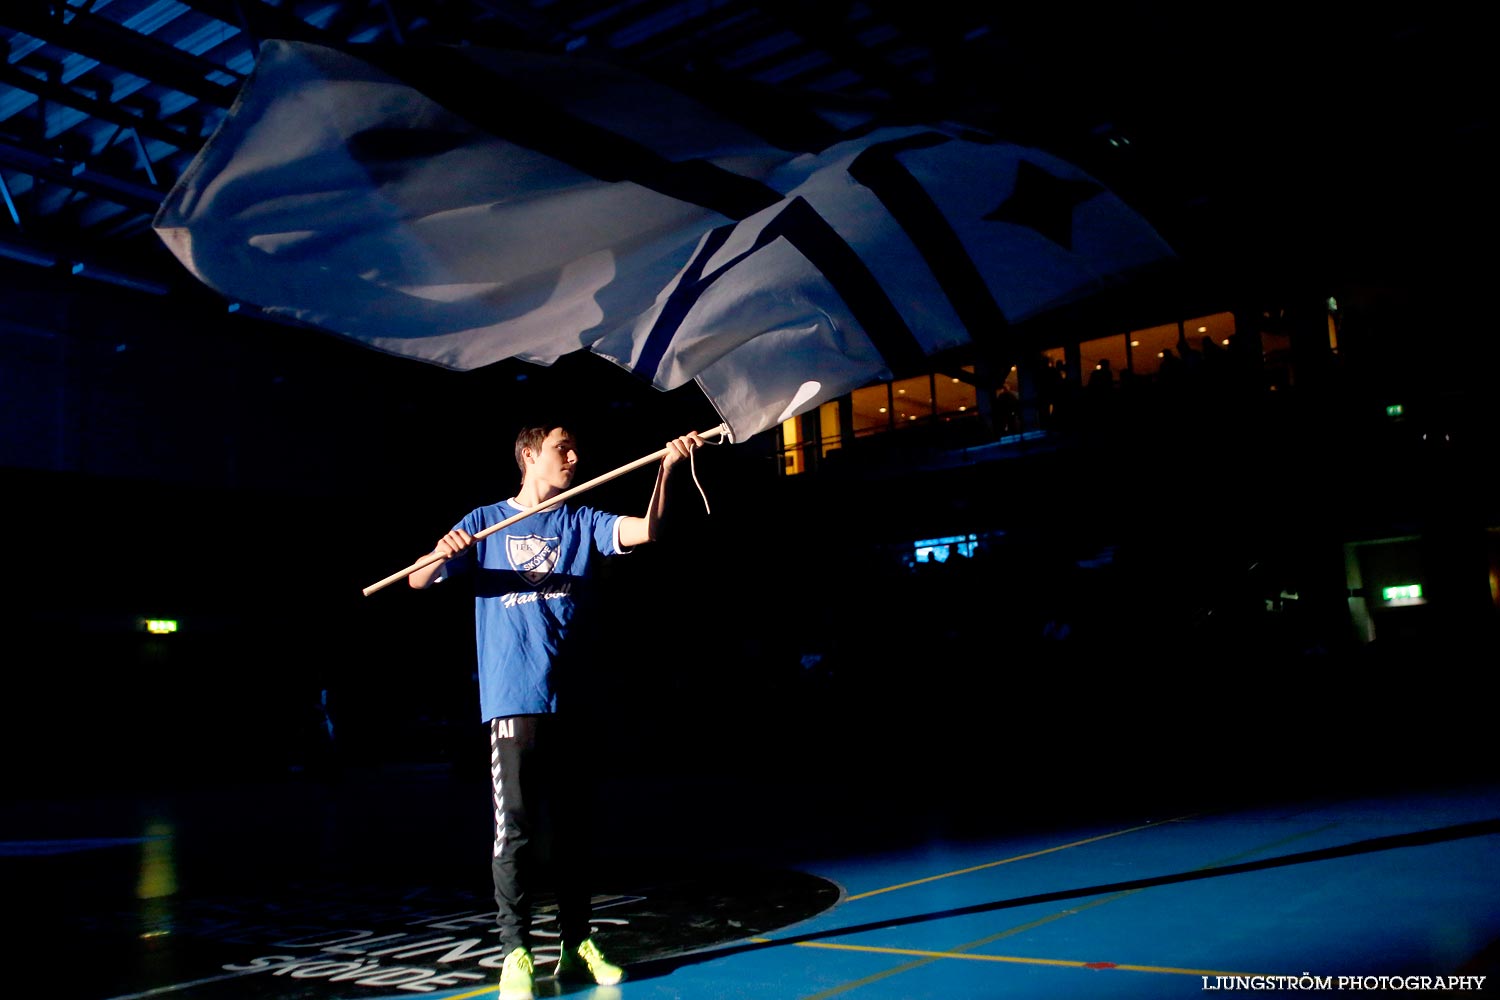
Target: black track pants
x: 539, y: 827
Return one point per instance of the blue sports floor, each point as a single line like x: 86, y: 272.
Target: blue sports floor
x: 1397, y: 886
x: 374, y: 886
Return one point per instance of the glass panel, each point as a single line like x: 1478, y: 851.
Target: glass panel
x: 830, y: 437
x: 792, y: 460
x: 871, y: 409
x: 1105, y: 356
x: 941, y: 549
x: 1052, y: 388
x: 1168, y: 350
x: 912, y: 399
x: 1149, y: 348
x: 955, y: 396
x: 1008, y: 414
x: 1219, y: 328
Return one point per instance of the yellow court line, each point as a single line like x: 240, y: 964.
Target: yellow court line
x: 962, y: 951
x: 1019, y: 857
x: 991, y: 939
x: 1019, y: 960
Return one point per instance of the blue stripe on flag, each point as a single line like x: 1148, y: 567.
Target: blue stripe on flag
x: 923, y: 222
x: 681, y: 301
x: 801, y: 226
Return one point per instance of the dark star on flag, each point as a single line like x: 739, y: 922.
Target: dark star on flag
x: 1044, y: 203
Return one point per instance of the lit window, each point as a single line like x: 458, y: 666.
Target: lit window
x: 940, y: 549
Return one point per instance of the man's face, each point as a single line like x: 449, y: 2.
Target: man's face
x: 552, y: 463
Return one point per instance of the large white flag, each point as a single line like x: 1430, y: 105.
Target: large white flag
x: 570, y: 206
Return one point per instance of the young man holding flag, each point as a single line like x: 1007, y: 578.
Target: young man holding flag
x: 528, y: 581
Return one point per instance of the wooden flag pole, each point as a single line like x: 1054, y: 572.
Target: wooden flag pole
x: 552, y: 501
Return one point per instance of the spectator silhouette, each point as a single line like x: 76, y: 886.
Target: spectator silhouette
x: 1170, y: 372
x: 1213, y: 360
x: 1007, y: 411
x: 1051, y: 386
x: 1191, y: 360
x: 1101, y: 379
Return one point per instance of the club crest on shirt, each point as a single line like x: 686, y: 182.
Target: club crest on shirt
x: 533, y: 556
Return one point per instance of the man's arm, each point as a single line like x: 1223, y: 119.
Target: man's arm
x: 640, y: 530
x: 455, y: 542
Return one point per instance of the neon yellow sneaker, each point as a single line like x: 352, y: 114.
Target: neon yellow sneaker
x: 517, y: 976
x: 588, y: 962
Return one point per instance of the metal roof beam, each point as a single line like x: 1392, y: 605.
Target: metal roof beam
x: 625, y: 17
x: 108, y: 111
x: 539, y: 24
x: 574, y: 12
x: 81, y: 177
x: 10, y: 204
x: 261, y: 21
x: 109, y: 43
x: 826, y: 29
x: 347, y: 17
x: 702, y: 32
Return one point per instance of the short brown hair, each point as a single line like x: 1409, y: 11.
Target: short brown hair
x: 531, y: 437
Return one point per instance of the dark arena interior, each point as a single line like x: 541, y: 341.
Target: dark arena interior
x: 1134, y: 648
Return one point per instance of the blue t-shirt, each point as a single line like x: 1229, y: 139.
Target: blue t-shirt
x: 528, y: 579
